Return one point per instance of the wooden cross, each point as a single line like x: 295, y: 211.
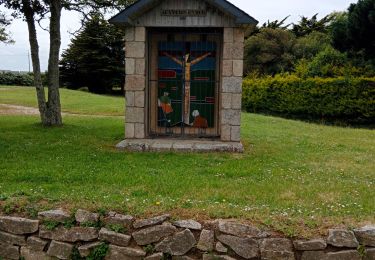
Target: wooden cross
x: 187, y: 64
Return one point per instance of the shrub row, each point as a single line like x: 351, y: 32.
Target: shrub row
x: 16, y: 79
x: 348, y: 99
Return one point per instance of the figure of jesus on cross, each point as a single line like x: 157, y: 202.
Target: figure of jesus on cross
x: 186, y: 64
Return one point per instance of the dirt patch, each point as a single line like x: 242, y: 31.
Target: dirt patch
x: 6, y: 109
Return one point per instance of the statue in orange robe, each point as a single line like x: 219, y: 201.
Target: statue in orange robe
x: 165, y: 103
x: 199, y: 121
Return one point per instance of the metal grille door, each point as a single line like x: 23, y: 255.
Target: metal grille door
x: 184, y: 72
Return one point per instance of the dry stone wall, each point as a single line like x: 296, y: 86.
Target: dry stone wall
x: 86, y: 235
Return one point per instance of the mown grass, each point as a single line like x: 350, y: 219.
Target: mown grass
x: 295, y: 177
x: 72, y: 101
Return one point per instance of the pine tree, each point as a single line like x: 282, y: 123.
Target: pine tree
x: 95, y: 57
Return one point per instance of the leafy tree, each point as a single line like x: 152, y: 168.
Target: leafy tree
x: 361, y: 27
x: 95, y: 57
x: 270, y: 51
x: 4, y: 35
x: 33, y: 11
x: 277, y: 24
x: 308, y: 25
x: 339, y: 30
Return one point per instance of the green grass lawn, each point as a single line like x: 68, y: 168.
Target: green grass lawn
x: 295, y: 177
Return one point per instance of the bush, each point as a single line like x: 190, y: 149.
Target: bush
x: 309, y: 46
x: 348, y: 99
x: 16, y: 79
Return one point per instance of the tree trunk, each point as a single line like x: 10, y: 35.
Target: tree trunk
x: 29, y: 15
x: 53, y: 116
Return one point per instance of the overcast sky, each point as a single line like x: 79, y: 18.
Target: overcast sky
x: 15, y: 57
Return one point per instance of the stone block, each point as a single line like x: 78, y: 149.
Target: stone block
x: 238, y: 35
x: 114, y: 218
x: 9, y: 251
x: 184, y: 257
x: 151, y: 221
x: 129, y: 130
x: 140, y: 67
x: 227, y: 51
x: 130, y: 96
x: 276, y: 248
x: 310, y: 245
x: 58, y: 215
x: 238, y: 68
x: 36, y: 243
x: 140, y: 34
x: 11, y: 239
x: 238, y: 51
x: 84, y: 216
x: 134, y: 115
x: 219, y: 247
x: 238, y: 229
x: 153, y: 234
x: 226, y: 100
x: 217, y: 257
x: 189, y: 224
x: 18, y: 226
x: 135, y: 49
x: 342, y: 238
x: 228, y: 34
x: 313, y: 255
x: 236, y: 101
x: 72, y: 235
x: 156, y: 256
x: 366, y: 235
x: 139, y: 99
x: 178, y: 244
x: 232, y: 85
x: 235, y: 133
x: 233, y: 51
x: 129, y: 66
x: 370, y: 254
x: 115, y: 238
x: 344, y: 255
x: 244, y: 247
x: 124, y: 253
x: 135, y: 82
x: 225, y: 132
x: 86, y: 249
x: 206, y: 240
x: 60, y: 250
x: 231, y: 117
x: 30, y: 254
x: 139, y: 131
x: 227, y: 68
x: 129, y: 34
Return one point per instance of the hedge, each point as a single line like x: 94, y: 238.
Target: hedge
x: 348, y: 99
x: 16, y: 79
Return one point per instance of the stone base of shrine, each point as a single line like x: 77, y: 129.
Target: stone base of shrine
x: 179, y: 145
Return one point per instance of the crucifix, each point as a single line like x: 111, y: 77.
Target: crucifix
x: 186, y: 64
